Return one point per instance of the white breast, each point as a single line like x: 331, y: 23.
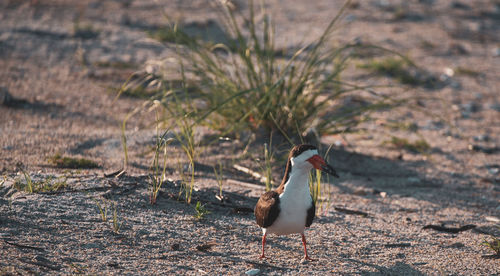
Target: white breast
x: 294, y: 203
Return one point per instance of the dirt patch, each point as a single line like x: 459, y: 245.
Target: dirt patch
x: 61, y: 61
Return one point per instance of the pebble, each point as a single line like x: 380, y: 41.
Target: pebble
x: 254, y: 271
x: 457, y: 49
x: 471, y: 107
x: 433, y: 125
x: 413, y: 180
x: 481, y: 138
x: 5, y: 97
x: 449, y: 72
x: 492, y: 219
x: 350, y: 18
x: 460, y: 5
x: 493, y: 171
x: 496, y: 52
x: 495, y: 106
x: 91, y: 245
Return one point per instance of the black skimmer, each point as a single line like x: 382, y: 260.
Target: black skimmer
x: 290, y: 209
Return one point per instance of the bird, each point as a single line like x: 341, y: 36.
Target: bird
x: 290, y: 209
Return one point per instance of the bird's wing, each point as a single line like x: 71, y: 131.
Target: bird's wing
x: 267, y: 209
x: 311, y: 212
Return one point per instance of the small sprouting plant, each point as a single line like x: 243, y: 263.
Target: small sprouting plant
x: 185, y: 136
x: 103, y: 209
x: 48, y: 184
x: 218, y: 176
x: 158, y: 170
x: 268, y: 169
x: 116, y: 224
x: 493, y: 244
x: 200, y: 210
x: 29, y: 183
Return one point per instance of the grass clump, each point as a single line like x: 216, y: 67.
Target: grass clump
x: 419, y: 146
x: 467, y: 72
x: 84, y: 31
x: 48, y: 184
x: 244, y: 85
x: 493, y: 245
x: 72, y: 163
x: 396, y: 68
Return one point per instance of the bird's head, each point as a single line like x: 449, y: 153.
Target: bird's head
x: 307, y: 157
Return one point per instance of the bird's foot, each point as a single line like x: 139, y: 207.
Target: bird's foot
x: 262, y: 257
x: 307, y: 258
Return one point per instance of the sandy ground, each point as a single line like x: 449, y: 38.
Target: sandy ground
x: 63, y: 80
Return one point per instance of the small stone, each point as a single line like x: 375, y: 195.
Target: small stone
x: 455, y: 85
x: 471, y: 107
x: 175, y: 246
x: 457, y: 49
x: 383, y: 3
x: 413, y: 180
x: 444, y: 78
x: 91, y: 245
x: 350, y: 18
x: 456, y: 245
x: 254, y: 271
x: 427, y: 2
x: 496, y: 52
x: 492, y: 219
x: 5, y: 97
x: 495, y: 106
x: 493, y: 171
x: 481, y: 138
x: 449, y: 72
x: 460, y: 5
x: 383, y: 194
x: 433, y: 125
x: 360, y: 192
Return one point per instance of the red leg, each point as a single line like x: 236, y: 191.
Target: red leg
x: 263, y: 245
x: 306, y: 257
